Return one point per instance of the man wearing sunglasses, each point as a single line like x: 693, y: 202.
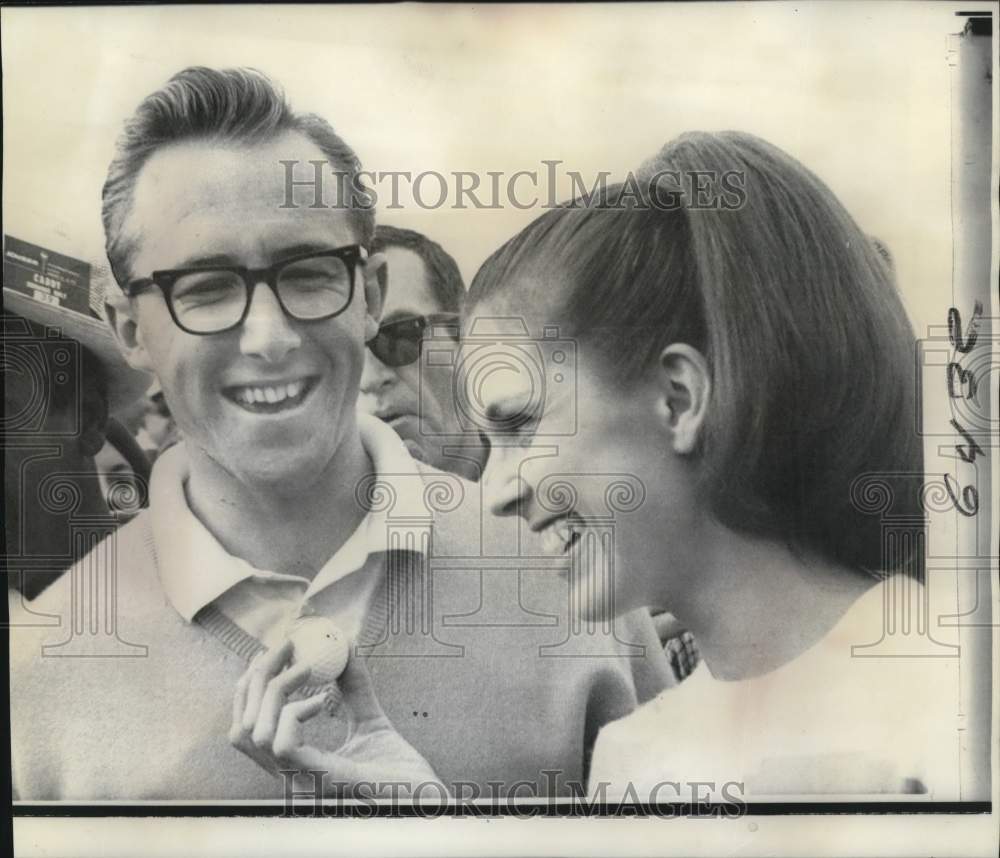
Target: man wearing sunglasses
x: 253, y: 313
x: 400, y: 384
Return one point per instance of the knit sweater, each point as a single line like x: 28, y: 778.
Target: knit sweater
x: 486, y: 696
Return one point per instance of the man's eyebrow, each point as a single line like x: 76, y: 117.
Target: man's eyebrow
x: 301, y: 250
x: 279, y: 256
x: 213, y: 259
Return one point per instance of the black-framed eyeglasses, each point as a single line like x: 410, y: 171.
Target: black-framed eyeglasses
x: 211, y: 299
x: 399, y: 343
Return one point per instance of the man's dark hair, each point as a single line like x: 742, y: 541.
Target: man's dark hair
x: 228, y: 105
x: 445, y: 278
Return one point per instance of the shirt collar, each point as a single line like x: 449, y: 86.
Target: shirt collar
x: 195, y: 569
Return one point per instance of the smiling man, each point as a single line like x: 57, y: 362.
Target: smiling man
x: 400, y: 385
x: 254, y: 315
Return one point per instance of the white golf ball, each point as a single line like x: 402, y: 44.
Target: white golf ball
x: 319, y: 643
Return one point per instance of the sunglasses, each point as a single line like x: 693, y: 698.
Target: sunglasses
x: 400, y: 342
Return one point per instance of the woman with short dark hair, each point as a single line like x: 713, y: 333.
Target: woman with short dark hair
x: 744, y: 358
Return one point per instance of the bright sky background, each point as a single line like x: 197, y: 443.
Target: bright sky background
x: 860, y: 92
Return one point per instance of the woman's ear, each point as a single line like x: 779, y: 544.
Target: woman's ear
x: 120, y: 312
x: 376, y: 280
x: 684, y: 389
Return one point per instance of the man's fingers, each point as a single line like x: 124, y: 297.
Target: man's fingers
x: 303, y: 710
x: 237, y: 732
x: 239, y: 705
x: 287, y: 734
x: 273, y: 660
x: 262, y: 670
x: 255, y: 693
x: 275, y: 694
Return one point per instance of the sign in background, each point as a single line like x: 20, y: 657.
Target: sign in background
x: 46, y: 276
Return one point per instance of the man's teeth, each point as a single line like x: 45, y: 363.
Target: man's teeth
x: 272, y: 395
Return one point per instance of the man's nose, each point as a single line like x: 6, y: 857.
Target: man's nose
x: 267, y: 332
x: 506, y: 492
x: 375, y: 376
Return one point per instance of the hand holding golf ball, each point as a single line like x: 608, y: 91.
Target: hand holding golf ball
x: 270, y: 715
x: 318, y: 642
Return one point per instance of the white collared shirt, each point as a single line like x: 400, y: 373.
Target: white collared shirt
x: 197, y: 571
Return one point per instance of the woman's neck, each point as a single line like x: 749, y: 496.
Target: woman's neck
x: 294, y: 525
x: 759, y: 605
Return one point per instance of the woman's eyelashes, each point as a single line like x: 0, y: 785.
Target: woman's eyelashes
x: 511, y: 422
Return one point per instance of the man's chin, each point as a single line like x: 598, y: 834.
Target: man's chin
x: 295, y: 464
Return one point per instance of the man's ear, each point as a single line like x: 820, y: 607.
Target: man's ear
x: 376, y: 274
x: 684, y: 389
x: 120, y: 312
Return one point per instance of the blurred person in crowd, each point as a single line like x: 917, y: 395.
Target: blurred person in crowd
x: 400, y: 384
x: 123, y: 469
x: 157, y: 429
x: 63, y: 376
